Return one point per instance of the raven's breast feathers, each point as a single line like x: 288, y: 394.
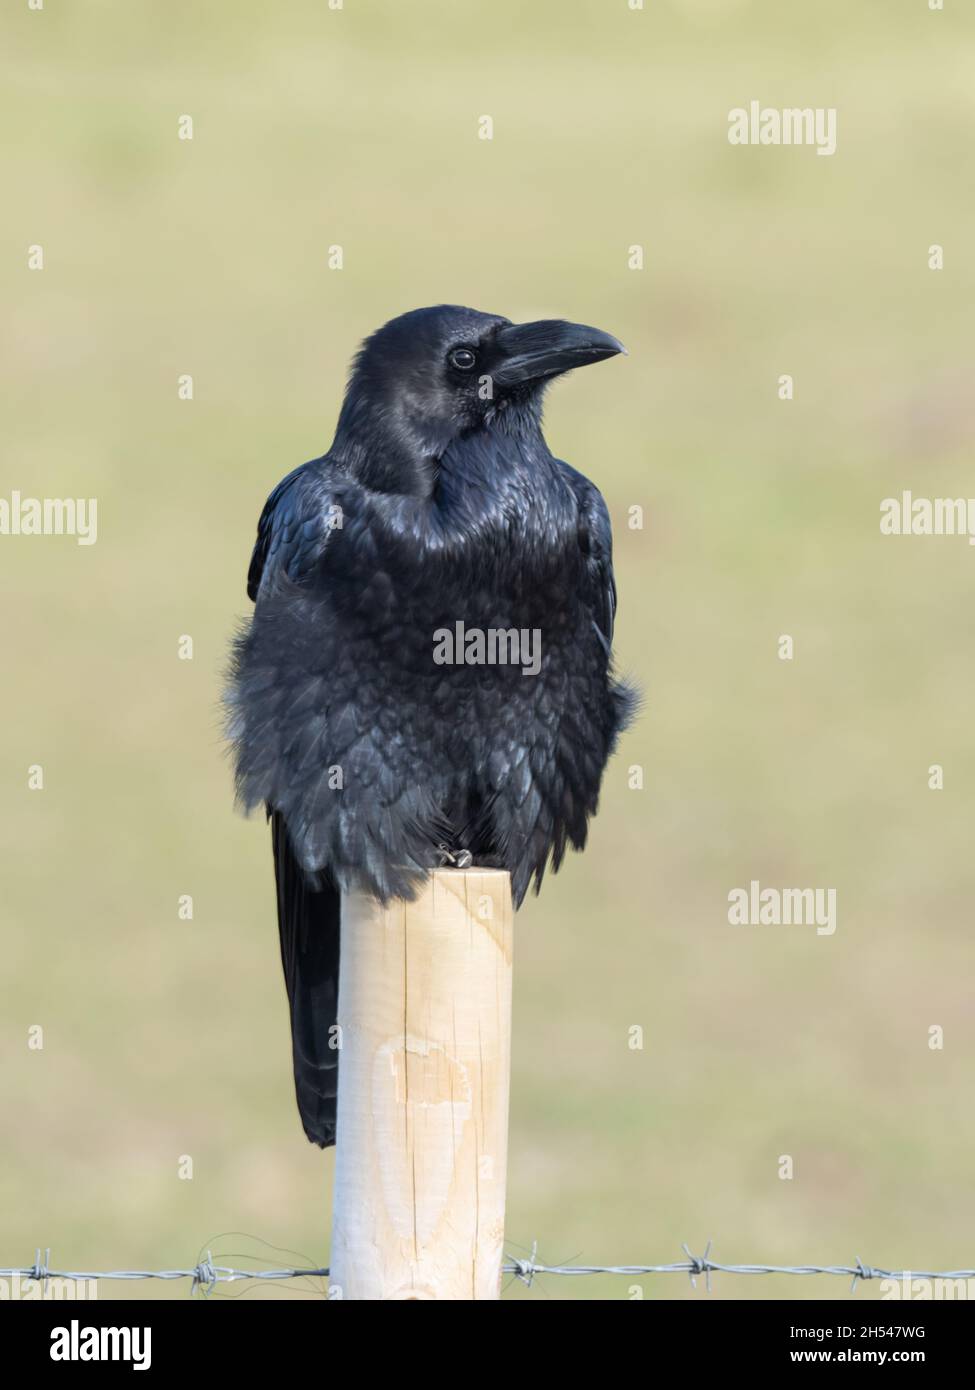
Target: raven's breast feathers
x: 351, y: 725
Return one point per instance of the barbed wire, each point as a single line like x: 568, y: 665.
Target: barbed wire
x: 205, y: 1276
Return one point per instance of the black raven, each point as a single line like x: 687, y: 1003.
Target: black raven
x: 427, y: 677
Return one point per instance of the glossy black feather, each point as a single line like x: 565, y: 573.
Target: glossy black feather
x: 308, y: 924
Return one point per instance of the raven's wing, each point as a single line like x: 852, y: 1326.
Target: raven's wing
x: 596, y: 544
x: 545, y: 770
x: 293, y: 527
x: 291, y: 535
x: 596, y: 540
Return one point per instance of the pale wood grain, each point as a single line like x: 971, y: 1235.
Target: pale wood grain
x: 425, y: 1019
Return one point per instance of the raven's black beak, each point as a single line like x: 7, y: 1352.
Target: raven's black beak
x: 533, y: 351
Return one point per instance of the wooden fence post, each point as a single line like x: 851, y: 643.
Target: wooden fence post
x: 421, y: 1156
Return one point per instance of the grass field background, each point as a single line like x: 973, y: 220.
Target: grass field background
x: 358, y: 127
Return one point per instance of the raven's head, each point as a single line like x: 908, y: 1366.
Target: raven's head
x: 430, y: 376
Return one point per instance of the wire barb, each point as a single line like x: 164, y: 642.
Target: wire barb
x: 205, y: 1277
x: 525, y: 1269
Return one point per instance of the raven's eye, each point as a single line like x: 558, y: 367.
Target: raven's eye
x: 462, y: 358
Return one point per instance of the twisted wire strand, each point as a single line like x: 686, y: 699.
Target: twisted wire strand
x: 205, y: 1275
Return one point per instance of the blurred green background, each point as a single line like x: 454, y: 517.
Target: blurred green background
x: 358, y: 127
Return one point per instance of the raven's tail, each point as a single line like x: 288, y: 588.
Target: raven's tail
x: 308, y: 922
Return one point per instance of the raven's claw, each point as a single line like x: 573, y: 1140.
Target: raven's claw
x: 463, y: 859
